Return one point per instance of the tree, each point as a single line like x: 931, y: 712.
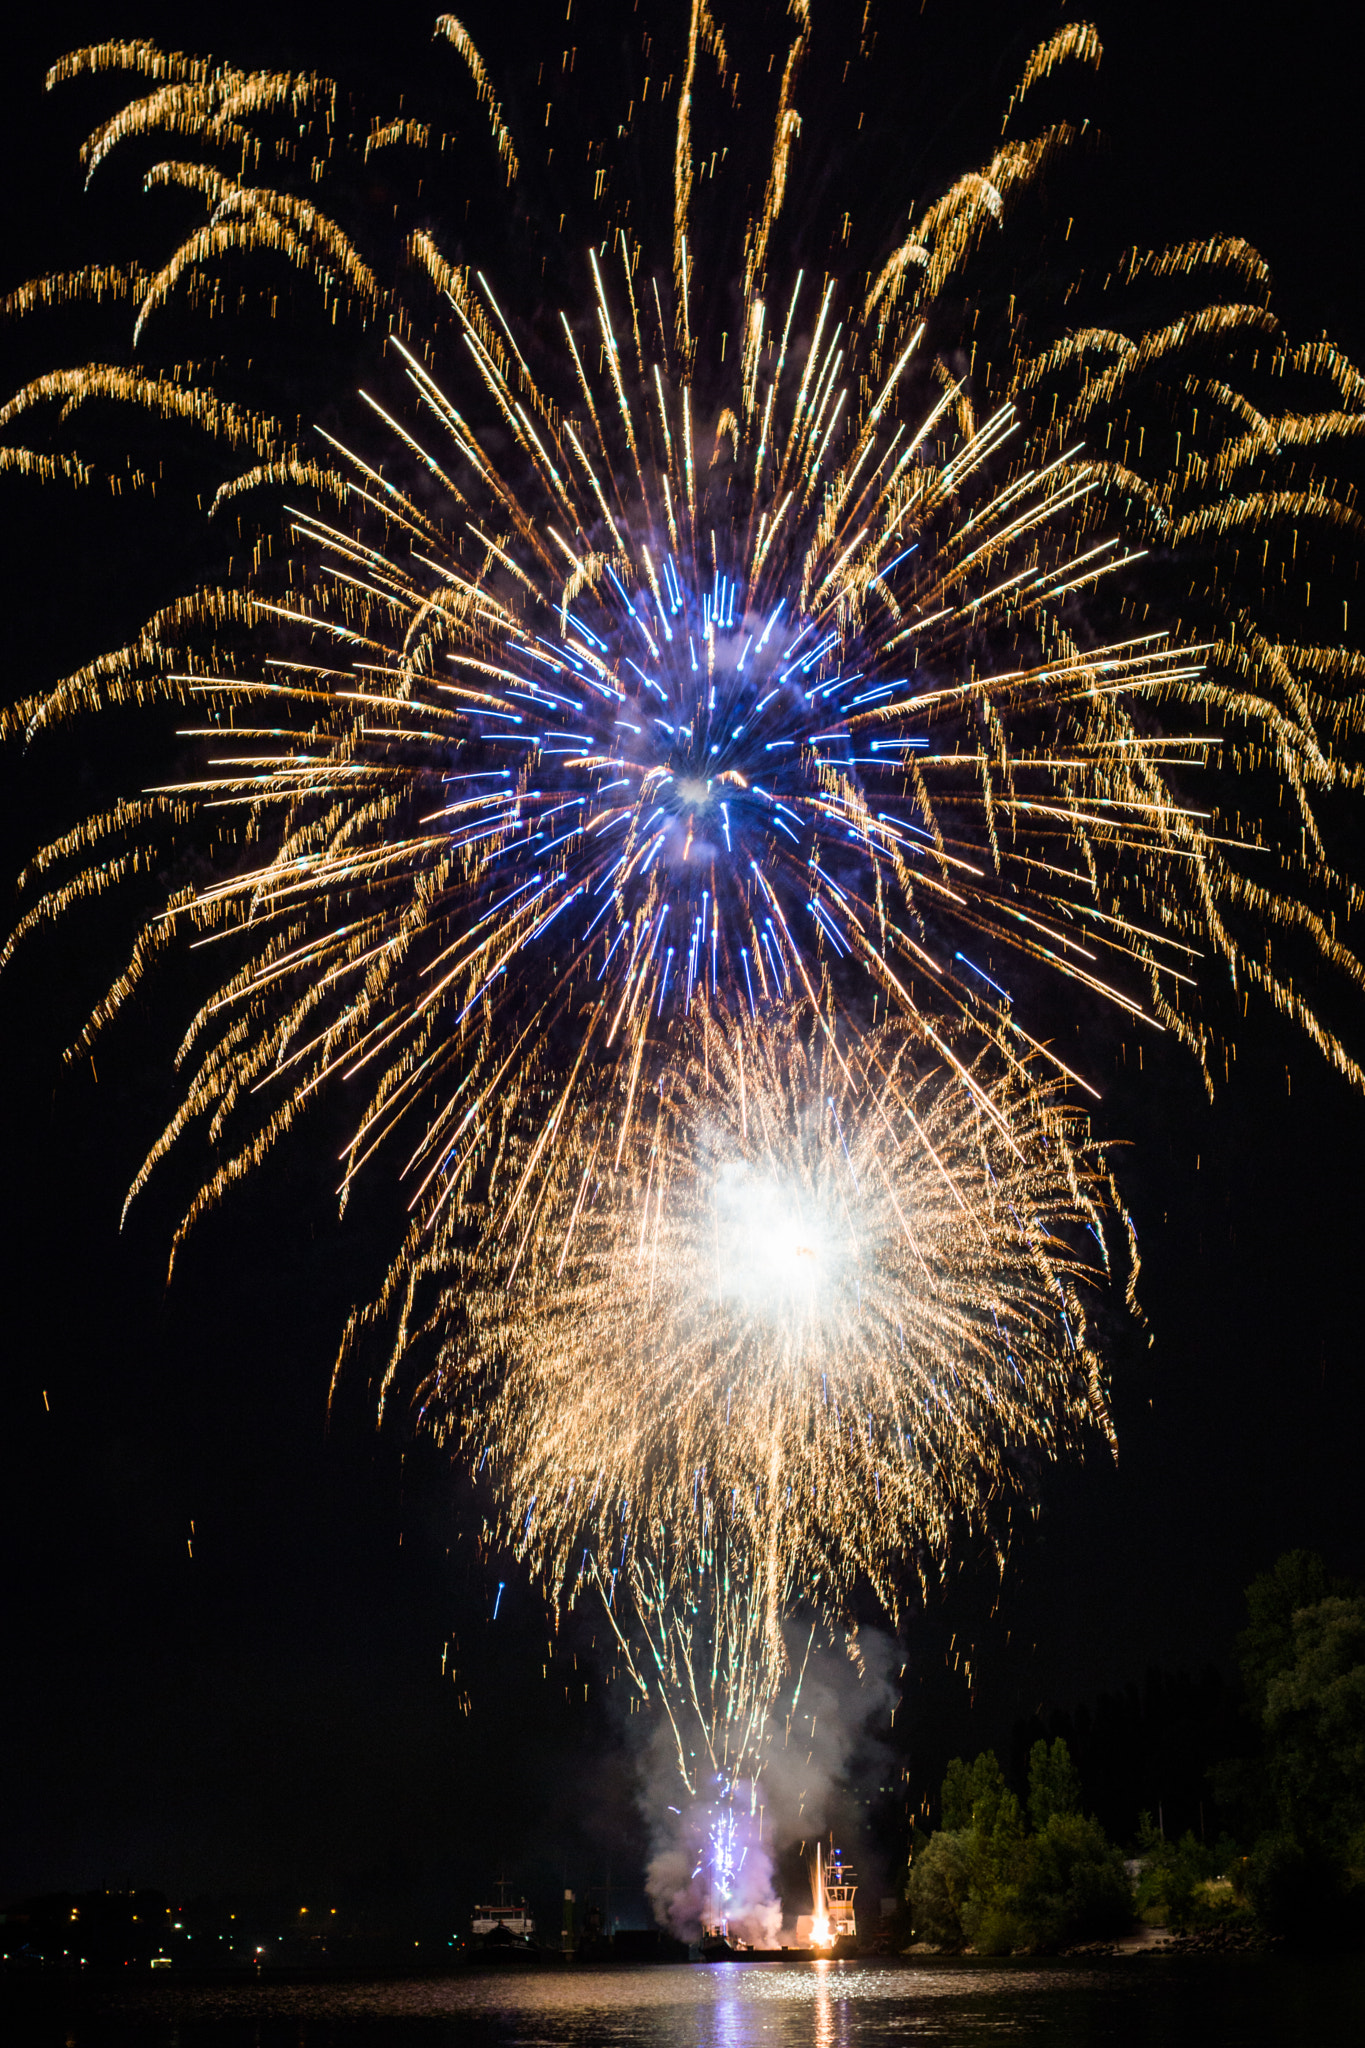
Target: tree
x: 1296, y: 1580
x: 938, y: 1889
x: 986, y: 1879
x: 994, y: 1845
x: 1054, y: 1785
x: 968, y: 1865
x: 1186, y: 1883
x: 1314, y: 1721
x: 1303, y: 1659
x: 972, y: 1792
x: 1072, y: 1885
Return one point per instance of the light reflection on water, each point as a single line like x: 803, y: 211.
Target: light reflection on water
x: 1258, y: 2002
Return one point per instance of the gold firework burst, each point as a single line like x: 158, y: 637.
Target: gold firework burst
x: 901, y: 656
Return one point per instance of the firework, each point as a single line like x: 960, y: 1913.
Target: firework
x: 820, y: 1313
x: 654, y: 683
x: 678, y: 774
x: 816, y: 1313
x: 734, y: 1723
x: 700, y: 1660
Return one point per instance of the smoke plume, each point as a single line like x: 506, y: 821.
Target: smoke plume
x: 714, y: 1853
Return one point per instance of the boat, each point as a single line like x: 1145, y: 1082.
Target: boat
x: 840, y: 1885
x: 505, y: 1931
x: 831, y: 1929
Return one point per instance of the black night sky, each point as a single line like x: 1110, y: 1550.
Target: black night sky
x: 225, y: 1614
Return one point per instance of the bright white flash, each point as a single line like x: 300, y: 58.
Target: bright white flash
x: 778, y: 1251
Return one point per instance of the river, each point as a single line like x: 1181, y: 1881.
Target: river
x: 1148, y: 2001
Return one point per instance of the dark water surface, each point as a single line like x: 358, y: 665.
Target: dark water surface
x: 1250, y: 2001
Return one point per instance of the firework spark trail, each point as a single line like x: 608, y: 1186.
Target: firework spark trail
x: 815, y: 1318
x: 745, y: 1756
x: 694, y: 1645
x: 814, y: 1314
x: 626, y: 725
x: 635, y: 730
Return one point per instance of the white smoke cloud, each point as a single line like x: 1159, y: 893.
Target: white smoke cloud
x: 714, y: 1855
x: 709, y: 1864
x: 823, y: 1738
